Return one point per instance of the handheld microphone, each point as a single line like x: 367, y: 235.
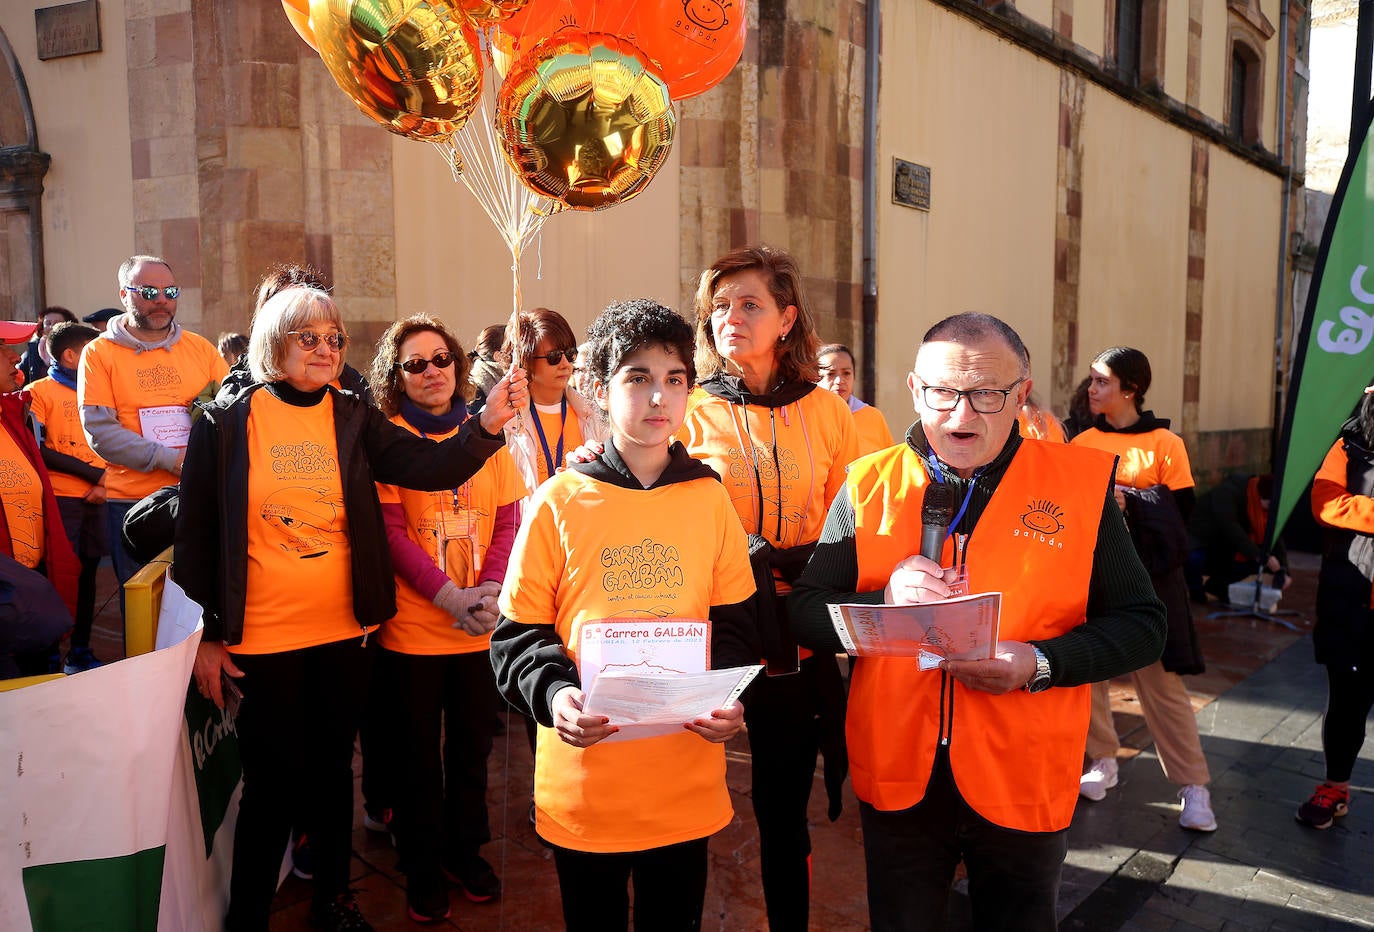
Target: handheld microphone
x: 937, y: 510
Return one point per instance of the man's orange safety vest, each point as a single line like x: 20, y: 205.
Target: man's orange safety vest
x: 1015, y: 757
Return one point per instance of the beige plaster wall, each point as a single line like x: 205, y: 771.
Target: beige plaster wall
x: 1134, y: 264
x: 81, y: 107
x: 1090, y: 25
x: 988, y: 241
x: 1042, y: 11
x: 1176, y: 51
x: 1236, y: 378
x: 450, y: 259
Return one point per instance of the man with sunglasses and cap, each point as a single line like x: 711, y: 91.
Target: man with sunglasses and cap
x: 135, y: 389
x: 979, y: 759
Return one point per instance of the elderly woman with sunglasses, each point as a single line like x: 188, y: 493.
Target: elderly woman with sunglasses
x: 281, y: 540
x: 560, y: 419
x: 434, y: 677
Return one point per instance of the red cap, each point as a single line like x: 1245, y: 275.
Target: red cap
x: 16, y: 331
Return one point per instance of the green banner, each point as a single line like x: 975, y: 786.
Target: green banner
x: 215, y: 753
x: 102, y: 893
x: 1335, y: 359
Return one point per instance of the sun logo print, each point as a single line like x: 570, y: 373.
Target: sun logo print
x: 1042, y: 517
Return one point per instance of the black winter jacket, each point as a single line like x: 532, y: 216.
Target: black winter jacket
x: 211, y: 557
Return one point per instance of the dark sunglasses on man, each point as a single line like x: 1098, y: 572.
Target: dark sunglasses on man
x: 149, y: 293
x: 441, y: 360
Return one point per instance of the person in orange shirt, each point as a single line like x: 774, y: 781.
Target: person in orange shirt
x: 645, y: 533
x: 78, y: 476
x: 836, y: 362
x: 1343, y: 503
x: 977, y: 760
x: 434, y: 677
x: 135, y: 387
x: 31, y: 531
x: 280, y: 538
x: 1150, y: 456
x: 781, y: 444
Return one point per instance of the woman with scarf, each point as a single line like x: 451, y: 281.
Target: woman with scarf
x: 780, y: 444
x: 1155, y: 490
x: 434, y: 678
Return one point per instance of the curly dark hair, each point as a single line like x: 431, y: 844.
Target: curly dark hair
x: 385, y: 374
x: 626, y: 327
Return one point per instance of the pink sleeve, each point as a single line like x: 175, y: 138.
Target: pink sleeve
x: 408, y: 560
x: 502, y: 537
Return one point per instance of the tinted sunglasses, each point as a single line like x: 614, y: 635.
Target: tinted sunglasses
x: 309, y: 339
x: 552, y: 357
x: 149, y: 293
x: 441, y: 360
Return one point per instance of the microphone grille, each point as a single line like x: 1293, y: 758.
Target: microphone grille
x: 937, y: 507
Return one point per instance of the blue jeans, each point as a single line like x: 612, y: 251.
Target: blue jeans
x: 911, y: 854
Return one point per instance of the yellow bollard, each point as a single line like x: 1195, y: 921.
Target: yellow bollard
x: 143, y: 603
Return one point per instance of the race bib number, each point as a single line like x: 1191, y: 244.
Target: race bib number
x: 169, y: 425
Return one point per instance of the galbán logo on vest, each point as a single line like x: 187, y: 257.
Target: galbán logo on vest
x: 1040, y: 523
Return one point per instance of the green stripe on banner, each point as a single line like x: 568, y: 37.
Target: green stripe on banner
x: 102, y: 893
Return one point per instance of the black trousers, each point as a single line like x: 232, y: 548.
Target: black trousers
x: 669, y: 885
x: 295, y: 728
x: 440, y: 798
x: 911, y: 854
x: 85, y: 525
x: 784, y: 740
x: 1350, y: 696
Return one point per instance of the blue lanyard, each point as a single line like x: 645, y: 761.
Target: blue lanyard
x: 937, y: 472
x: 544, y: 441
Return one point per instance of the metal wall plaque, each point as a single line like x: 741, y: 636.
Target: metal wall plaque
x: 910, y: 184
x: 69, y: 29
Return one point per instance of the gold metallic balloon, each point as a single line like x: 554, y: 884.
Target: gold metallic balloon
x: 412, y: 66
x: 584, y: 120
x: 484, y: 12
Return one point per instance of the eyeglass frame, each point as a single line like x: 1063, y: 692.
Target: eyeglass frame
x: 170, y: 292
x: 551, y: 357
x: 335, y: 341
x: 424, y: 364
x: 969, y: 393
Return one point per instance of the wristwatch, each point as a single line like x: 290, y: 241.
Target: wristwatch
x: 1040, y: 679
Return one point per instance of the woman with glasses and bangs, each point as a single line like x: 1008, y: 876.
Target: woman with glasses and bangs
x: 434, y: 677
x: 281, y: 540
x: 559, y: 420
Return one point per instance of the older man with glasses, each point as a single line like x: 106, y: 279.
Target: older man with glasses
x: 978, y: 760
x: 135, y: 388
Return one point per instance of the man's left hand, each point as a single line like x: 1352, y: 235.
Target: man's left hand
x: 1011, y: 667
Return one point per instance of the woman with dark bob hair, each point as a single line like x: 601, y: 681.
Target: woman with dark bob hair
x: 1154, y: 488
x: 628, y: 812
x: 434, y: 678
x: 781, y: 445
x: 280, y: 539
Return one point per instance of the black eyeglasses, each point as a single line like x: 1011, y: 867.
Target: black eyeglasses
x: 149, y: 293
x: 552, y: 357
x: 441, y: 360
x: 983, y: 400
x: 309, y: 339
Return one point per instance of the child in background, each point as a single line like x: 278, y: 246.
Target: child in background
x: 641, y: 810
x: 78, y: 476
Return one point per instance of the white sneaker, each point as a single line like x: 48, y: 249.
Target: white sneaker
x: 1100, y: 778
x: 1197, y: 809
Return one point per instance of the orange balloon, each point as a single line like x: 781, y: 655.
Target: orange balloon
x: 298, y: 12
x: 584, y: 120
x: 531, y: 24
x: 486, y: 12
x: 693, y: 43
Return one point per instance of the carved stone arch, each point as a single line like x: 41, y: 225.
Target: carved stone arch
x: 1248, y: 32
x: 22, y: 167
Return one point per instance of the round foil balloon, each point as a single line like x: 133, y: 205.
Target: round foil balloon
x: 693, y: 43
x: 298, y: 12
x: 584, y: 120
x: 485, y: 12
x: 412, y: 66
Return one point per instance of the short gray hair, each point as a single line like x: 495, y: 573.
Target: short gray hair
x: 287, y: 310
x: 127, y: 266
x: 973, y: 327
